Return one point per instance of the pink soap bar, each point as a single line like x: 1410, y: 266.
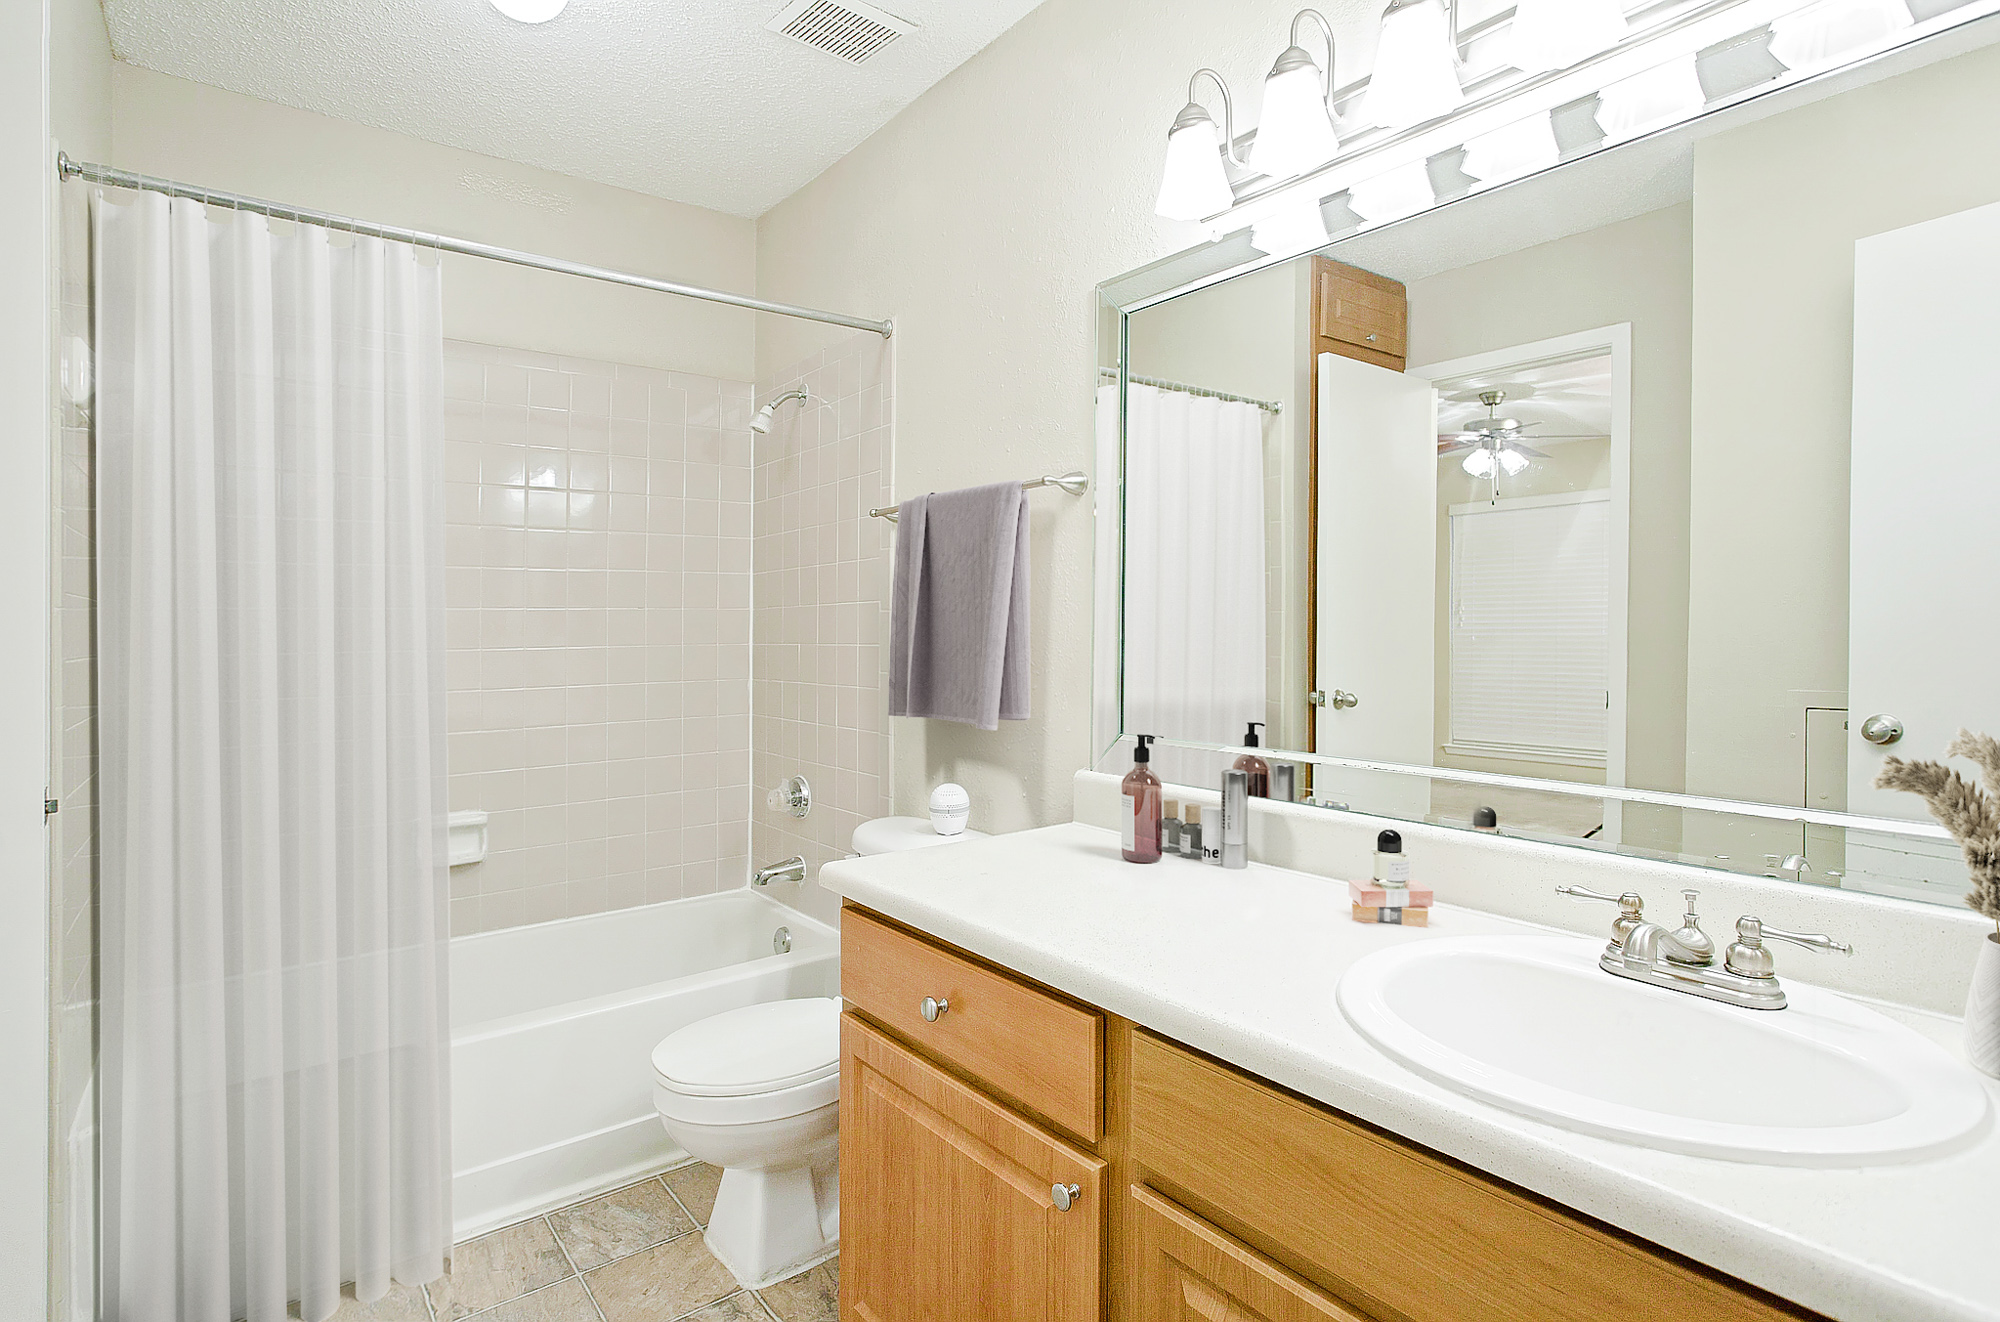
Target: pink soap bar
x: 1378, y: 897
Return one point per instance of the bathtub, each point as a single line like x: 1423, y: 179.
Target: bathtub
x: 553, y: 1028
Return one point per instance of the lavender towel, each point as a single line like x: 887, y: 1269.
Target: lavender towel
x: 958, y: 607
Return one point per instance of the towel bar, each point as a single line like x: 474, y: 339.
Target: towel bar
x: 1076, y: 482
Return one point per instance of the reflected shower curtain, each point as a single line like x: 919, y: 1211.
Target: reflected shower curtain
x: 273, y: 1053
x: 1193, y: 572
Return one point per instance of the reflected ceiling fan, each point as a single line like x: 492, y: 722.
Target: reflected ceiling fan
x: 1493, y: 445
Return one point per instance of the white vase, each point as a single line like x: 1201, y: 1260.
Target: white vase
x: 1982, y: 1009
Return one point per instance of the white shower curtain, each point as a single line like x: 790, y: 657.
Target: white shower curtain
x: 273, y: 1053
x: 1194, y: 650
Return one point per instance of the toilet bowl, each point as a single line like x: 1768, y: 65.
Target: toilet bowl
x: 756, y: 1091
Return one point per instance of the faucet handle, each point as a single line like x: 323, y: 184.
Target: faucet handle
x: 1631, y: 909
x: 1748, y: 958
x: 1691, y: 946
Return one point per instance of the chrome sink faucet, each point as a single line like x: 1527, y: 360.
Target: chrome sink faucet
x: 1683, y: 960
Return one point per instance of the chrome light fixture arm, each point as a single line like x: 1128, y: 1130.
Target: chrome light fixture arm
x: 1296, y: 56
x: 1194, y: 112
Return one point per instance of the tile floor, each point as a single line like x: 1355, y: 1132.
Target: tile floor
x: 632, y: 1255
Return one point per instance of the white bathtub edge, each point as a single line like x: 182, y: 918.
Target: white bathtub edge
x: 521, y: 1187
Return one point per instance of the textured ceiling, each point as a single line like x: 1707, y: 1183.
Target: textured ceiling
x: 685, y: 99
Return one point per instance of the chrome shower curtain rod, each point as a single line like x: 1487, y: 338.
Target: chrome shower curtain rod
x: 104, y: 174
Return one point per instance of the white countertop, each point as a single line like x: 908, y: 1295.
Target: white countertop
x: 1243, y: 965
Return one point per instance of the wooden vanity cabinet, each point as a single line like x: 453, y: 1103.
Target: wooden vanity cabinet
x: 1200, y: 1193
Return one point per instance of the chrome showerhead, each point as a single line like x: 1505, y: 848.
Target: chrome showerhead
x: 761, y: 424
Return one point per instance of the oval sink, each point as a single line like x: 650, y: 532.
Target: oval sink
x: 1532, y: 1023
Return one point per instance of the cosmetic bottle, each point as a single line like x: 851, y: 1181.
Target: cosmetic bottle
x: 1191, y: 831
x: 1392, y: 865
x: 1284, y: 782
x: 1170, y: 827
x: 1140, y: 822
x: 1235, y: 819
x: 1485, y: 819
x: 1256, y: 768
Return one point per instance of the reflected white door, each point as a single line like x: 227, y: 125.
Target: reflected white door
x: 1922, y: 631
x: 1377, y: 580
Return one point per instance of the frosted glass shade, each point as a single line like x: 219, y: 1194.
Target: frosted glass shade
x: 1479, y: 462
x: 1554, y: 34
x: 531, y: 11
x: 1296, y: 229
x: 1295, y: 134
x: 1403, y: 191
x: 1650, y: 100
x: 1416, y: 74
x: 1194, y: 185
x: 1512, y: 461
x: 1512, y: 151
x: 1826, y: 33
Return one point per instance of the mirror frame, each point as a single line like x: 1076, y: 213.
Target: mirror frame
x: 1208, y: 264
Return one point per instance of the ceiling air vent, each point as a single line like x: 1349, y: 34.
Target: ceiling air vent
x: 847, y: 28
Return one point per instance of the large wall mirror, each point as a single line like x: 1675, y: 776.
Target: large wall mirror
x: 1637, y: 501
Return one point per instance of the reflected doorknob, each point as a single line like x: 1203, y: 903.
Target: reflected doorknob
x: 1342, y: 700
x: 1881, y: 729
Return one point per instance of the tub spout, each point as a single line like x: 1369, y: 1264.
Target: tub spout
x: 792, y: 869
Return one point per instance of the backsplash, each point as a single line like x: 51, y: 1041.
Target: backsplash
x: 598, y: 583
x: 822, y: 587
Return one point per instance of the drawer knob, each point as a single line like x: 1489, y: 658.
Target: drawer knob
x: 932, y: 1008
x: 1064, y: 1196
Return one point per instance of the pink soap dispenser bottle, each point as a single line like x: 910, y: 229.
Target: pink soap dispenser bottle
x: 1139, y: 824
x: 1254, y: 766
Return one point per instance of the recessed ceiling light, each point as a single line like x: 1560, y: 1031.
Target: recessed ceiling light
x: 530, y: 11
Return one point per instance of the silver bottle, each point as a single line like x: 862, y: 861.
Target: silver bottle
x: 1235, y: 819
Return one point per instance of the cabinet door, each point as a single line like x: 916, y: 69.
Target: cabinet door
x: 1191, y: 1272
x: 946, y: 1200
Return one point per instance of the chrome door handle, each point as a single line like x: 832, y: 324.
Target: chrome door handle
x: 1342, y: 699
x: 1881, y: 729
x: 932, y: 1008
x: 1064, y: 1196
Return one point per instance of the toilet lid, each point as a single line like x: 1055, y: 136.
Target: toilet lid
x: 755, y: 1049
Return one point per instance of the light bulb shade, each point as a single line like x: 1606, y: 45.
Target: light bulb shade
x: 1651, y: 100
x: 1512, y: 461
x: 1512, y: 151
x: 1392, y: 195
x: 1828, y: 32
x: 530, y: 11
x: 1296, y: 133
x: 1416, y: 70
x: 1479, y: 462
x: 1554, y: 34
x: 1194, y: 184
x: 1298, y: 228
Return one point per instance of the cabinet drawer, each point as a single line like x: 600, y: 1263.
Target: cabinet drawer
x: 1188, y: 1271
x: 1361, y: 308
x: 1043, y: 1051
x: 947, y: 1199
x: 1327, y: 1194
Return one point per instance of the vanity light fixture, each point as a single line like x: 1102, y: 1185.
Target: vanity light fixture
x: 1299, y: 227
x: 1553, y: 34
x: 1830, y: 31
x: 1194, y: 183
x: 1416, y: 65
x: 1635, y: 106
x: 531, y: 11
x: 1513, y: 151
x: 1295, y: 130
x: 1394, y: 194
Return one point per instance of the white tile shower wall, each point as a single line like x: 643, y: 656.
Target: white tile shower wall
x: 822, y: 615
x: 598, y: 593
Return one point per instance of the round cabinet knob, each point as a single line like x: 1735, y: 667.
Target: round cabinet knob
x: 932, y: 1008
x: 1881, y: 729
x: 1064, y: 1196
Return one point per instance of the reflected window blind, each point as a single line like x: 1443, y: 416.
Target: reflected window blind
x: 1530, y: 607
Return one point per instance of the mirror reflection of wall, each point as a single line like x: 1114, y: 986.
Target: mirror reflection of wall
x: 1695, y: 483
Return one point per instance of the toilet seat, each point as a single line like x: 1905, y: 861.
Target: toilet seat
x: 750, y: 1065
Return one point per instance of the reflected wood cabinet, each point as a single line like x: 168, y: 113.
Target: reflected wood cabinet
x: 1116, y: 1175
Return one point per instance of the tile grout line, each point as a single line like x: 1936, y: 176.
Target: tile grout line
x: 554, y: 1234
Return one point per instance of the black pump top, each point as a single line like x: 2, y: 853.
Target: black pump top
x: 1250, y: 735
x: 1485, y: 818
x: 1389, y: 842
x: 1143, y: 753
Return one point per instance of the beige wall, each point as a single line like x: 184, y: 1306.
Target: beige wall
x: 1778, y: 206
x: 981, y: 219
x: 203, y: 135
x: 1635, y: 271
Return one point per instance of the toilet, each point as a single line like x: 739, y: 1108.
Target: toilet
x: 756, y: 1091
